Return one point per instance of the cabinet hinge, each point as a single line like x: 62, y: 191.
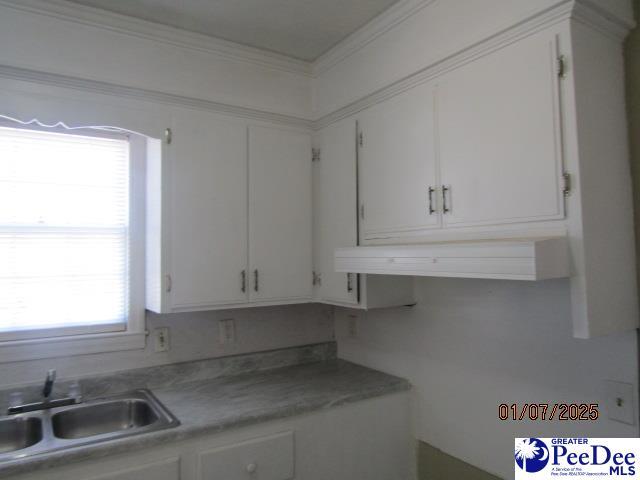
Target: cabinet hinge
x: 566, y: 189
x: 316, y: 279
x: 315, y: 154
x: 168, y: 136
x: 361, y: 139
x: 562, y: 66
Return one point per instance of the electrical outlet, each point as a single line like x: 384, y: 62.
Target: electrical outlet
x: 352, y: 326
x: 619, y: 401
x: 161, y: 339
x: 227, y: 332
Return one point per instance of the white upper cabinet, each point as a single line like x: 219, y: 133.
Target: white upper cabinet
x: 335, y: 209
x: 397, y: 165
x: 228, y: 215
x: 279, y: 214
x: 209, y: 234
x: 479, y: 146
x: 499, y: 137
x: 336, y: 226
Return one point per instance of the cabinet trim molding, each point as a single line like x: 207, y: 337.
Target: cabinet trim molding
x: 97, y: 86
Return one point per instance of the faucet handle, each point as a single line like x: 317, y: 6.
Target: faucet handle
x: 15, y: 399
x: 75, y: 392
x: 51, y: 375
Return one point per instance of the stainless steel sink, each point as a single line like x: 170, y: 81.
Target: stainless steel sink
x: 19, y: 433
x: 44, y: 431
x: 107, y: 417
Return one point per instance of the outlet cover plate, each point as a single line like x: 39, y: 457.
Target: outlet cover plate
x: 619, y: 400
x: 227, y: 331
x: 161, y: 339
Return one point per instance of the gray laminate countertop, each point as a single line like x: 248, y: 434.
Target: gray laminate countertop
x: 208, y: 406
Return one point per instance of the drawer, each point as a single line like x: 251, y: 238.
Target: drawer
x: 264, y: 458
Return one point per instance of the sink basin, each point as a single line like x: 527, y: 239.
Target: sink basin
x: 19, y: 433
x: 101, y: 418
x: 59, y: 428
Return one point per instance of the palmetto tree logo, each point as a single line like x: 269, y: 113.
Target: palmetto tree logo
x: 532, y: 455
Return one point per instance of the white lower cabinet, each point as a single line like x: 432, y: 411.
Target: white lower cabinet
x: 164, y: 470
x: 366, y: 440
x: 267, y: 458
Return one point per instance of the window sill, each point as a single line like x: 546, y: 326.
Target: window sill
x: 22, y: 350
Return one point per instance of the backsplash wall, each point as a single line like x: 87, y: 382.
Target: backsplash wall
x: 193, y: 336
x: 470, y: 345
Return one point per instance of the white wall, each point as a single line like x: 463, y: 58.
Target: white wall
x: 51, y: 44
x: 194, y: 336
x: 469, y: 345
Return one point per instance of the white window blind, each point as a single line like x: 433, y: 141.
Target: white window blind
x: 64, y: 226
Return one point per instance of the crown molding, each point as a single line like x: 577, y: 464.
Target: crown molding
x: 381, y: 24
x: 585, y: 11
x: 590, y: 13
x: 134, y: 27
x: 94, y: 86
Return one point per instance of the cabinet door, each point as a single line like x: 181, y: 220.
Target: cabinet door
x: 397, y: 165
x: 279, y: 214
x: 499, y: 136
x: 336, y: 209
x: 165, y: 470
x: 209, y: 211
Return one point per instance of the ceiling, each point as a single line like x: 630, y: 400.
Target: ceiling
x: 303, y: 29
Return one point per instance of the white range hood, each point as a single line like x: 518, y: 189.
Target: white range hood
x: 526, y: 259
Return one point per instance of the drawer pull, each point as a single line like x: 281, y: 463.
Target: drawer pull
x: 252, y: 467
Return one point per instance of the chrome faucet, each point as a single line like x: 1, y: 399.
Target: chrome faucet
x: 47, y: 403
x: 48, y: 384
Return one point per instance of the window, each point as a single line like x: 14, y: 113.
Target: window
x: 64, y: 234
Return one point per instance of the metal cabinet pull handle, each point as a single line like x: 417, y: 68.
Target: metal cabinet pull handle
x: 432, y: 210
x: 256, y: 285
x: 445, y: 208
x: 243, y: 274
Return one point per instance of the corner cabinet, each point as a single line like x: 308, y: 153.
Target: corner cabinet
x: 336, y: 225
x: 220, y: 196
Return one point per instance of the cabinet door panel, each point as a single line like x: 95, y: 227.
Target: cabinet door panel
x: 209, y: 217
x: 166, y: 470
x: 279, y: 214
x: 499, y: 136
x: 397, y: 164
x: 336, y: 208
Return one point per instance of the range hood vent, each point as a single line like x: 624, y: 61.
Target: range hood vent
x: 526, y: 259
